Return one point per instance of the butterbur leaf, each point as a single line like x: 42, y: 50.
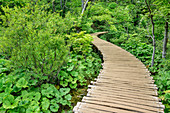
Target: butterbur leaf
x: 63, y: 74
x: 21, y: 83
x: 33, y: 82
x: 64, y: 102
x: 24, y: 103
x: 8, y: 90
x: 9, y: 102
x: 45, y: 104
x: 33, y: 108
x: 64, y: 91
x: 73, y: 86
x: 45, y: 86
x: 69, y: 79
x: 74, y: 81
x: 37, y: 96
x: 47, y: 92
x: 74, y: 73
x: 54, y: 107
x: 2, y: 95
x: 16, y: 89
x: 64, y: 83
x: 68, y: 97
x: 31, y: 96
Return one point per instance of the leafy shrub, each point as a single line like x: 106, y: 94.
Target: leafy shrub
x: 81, y: 43
x: 28, y: 44
x: 79, y: 70
x: 163, y: 83
x: 41, y: 70
x: 19, y: 93
x: 44, y: 64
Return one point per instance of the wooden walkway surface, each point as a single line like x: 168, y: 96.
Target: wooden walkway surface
x: 123, y: 86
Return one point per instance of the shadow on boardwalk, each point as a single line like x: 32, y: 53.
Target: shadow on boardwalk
x: 123, y: 86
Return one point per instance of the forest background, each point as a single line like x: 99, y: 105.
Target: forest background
x: 47, y: 56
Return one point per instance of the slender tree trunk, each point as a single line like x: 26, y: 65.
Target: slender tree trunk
x: 84, y: 7
x: 153, y: 54
x: 127, y: 32
x: 154, y: 43
x: 153, y: 33
x: 165, y: 40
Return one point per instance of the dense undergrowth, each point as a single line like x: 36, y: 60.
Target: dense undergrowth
x: 46, y: 57
x: 44, y: 64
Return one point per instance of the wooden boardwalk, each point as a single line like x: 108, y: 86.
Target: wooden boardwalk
x: 123, y: 86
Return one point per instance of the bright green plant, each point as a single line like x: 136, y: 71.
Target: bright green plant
x: 79, y: 70
x: 28, y: 44
x: 19, y: 93
x: 81, y: 43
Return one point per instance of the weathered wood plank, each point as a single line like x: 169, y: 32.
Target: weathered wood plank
x: 123, y: 86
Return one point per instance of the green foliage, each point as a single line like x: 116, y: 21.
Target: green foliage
x: 128, y: 26
x: 81, y: 43
x: 17, y: 93
x: 160, y: 70
x: 46, y: 61
x: 79, y: 70
x: 3, y: 68
x: 28, y: 45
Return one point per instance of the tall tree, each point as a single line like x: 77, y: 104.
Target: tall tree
x: 153, y: 30
x: 85, y: 5
x: 165, y: 40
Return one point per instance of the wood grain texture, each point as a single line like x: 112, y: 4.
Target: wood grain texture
x: 123, y: 86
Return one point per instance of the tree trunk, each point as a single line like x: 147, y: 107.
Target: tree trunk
x: 153, y: 54
x: 127, y: 32
x: 154, y: 43
x: 165, y: 40
x: 153, y: 33
x: 84, y: 7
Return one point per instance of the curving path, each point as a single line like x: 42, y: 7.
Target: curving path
x: 123, y: 86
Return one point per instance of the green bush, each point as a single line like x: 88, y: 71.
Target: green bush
x: 163, y: 83
x: 45, y: 64
x: 20, y: 93
x: 33, y: 40
x: 79, y: 70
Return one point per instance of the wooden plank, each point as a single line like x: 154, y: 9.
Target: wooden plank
x: 118, y: 89
x: 125, y: 82
x: 103, y: 109
x: 137, y: 96
x: 123, y: 86
x: 119, y: 106
x: 128, y: 81
x: 126, y: 103
x: 130, y: 100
